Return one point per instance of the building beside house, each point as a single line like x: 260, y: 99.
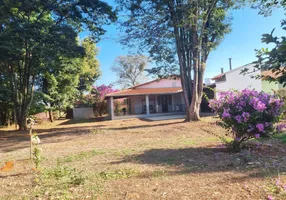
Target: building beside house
x: 233, y: 79
x: 161, y: 96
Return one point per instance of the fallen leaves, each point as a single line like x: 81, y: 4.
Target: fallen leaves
x: 8, y: 166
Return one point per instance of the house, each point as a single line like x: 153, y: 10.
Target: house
x: 157, y: 97
x: 233, y: 79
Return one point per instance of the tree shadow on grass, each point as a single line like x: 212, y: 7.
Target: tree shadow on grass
x: 80, y: 121
x: 206, y: 160
x: 9, y: 143
x: 144, y: 126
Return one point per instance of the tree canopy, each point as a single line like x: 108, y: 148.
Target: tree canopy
x: 37, y: 37
x: 274, y: 58
x: 130, y: 69
x: 178, y: 35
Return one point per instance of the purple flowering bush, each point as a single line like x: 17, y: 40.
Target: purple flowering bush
x: 248, y: 113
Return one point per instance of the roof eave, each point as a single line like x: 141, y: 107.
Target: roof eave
x: 127, y: 95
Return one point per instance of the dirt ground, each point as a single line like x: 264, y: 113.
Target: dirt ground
x: 137, y: 159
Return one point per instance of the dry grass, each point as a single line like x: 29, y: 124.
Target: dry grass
x: 135, y: 159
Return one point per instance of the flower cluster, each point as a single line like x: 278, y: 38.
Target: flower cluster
x: 248, y: 113
x: 104, y: 90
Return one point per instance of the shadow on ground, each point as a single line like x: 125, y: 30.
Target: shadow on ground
x: 12, y: 142
x: 144, y: 126
x: 80, y: 121
x: 208, y: 160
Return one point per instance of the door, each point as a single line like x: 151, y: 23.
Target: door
x: 165, y: 104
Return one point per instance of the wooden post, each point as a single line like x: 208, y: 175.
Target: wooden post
x: 31, y: 137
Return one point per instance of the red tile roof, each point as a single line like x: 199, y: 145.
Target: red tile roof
x: 268, y: 73
x: 156, y: 80
x: 218, y: 76
x: 144, y: 91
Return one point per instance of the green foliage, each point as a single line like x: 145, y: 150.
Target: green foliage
x: 37, y: 105
x: 82, y: 156
x: 38, y: 38
x: 273, y: 59
x: 89, y: 67
x: 118, y: 173
x: 281, y: 137
x: 117, y: 107
x: 68, y: 175
x: 37, y: 158
x: 56, y: 182
x: 154, y: 32
x: 178, y: 35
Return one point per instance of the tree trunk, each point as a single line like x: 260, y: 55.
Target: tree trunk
x: 51, y: 117
x: 22, y: 120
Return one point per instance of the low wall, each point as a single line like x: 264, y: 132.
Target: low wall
x: 82, y: 113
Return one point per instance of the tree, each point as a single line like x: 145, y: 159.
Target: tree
x: 90, y: 70
x: 99, y: 93
x: 35, y: 33
x: 6, y: 105
x: 274, y: 59
x: 130, y: 69
x: 59, y: 88
x: 178, y: 31
x: 70, y: 78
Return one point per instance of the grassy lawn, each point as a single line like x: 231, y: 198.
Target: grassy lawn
x: 136, y: 159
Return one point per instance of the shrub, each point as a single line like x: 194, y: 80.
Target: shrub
x: 247, y: 114
x: 117, y: 107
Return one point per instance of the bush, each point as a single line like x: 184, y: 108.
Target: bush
x: 117, y: 107
x: 247, y: 114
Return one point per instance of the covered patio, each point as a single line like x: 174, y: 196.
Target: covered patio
x: 146, y: 102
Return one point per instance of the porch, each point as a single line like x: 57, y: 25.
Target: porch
x: 144, y: 106
x: 154, y: 116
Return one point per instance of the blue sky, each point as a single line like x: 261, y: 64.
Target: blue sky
x: 239, y: 44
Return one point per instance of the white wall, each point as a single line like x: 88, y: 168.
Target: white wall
x: 234, y: 80
x: 136, y: 104
x: 83, y: 113
x: 163, y: 83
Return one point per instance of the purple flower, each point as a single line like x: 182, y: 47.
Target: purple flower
x: 280, y: 127
x: 260, y: 127
x: 242, y: 103
x: 277, y: 183
x: 254, y: 101
x: 230, y: 99
x: 269, y: 197
x: 251, y: 128
x: 245, y: 116
x: 238, y: 118
x: 260, y: 107
x: 225, y: 113
x: 238, y: 111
